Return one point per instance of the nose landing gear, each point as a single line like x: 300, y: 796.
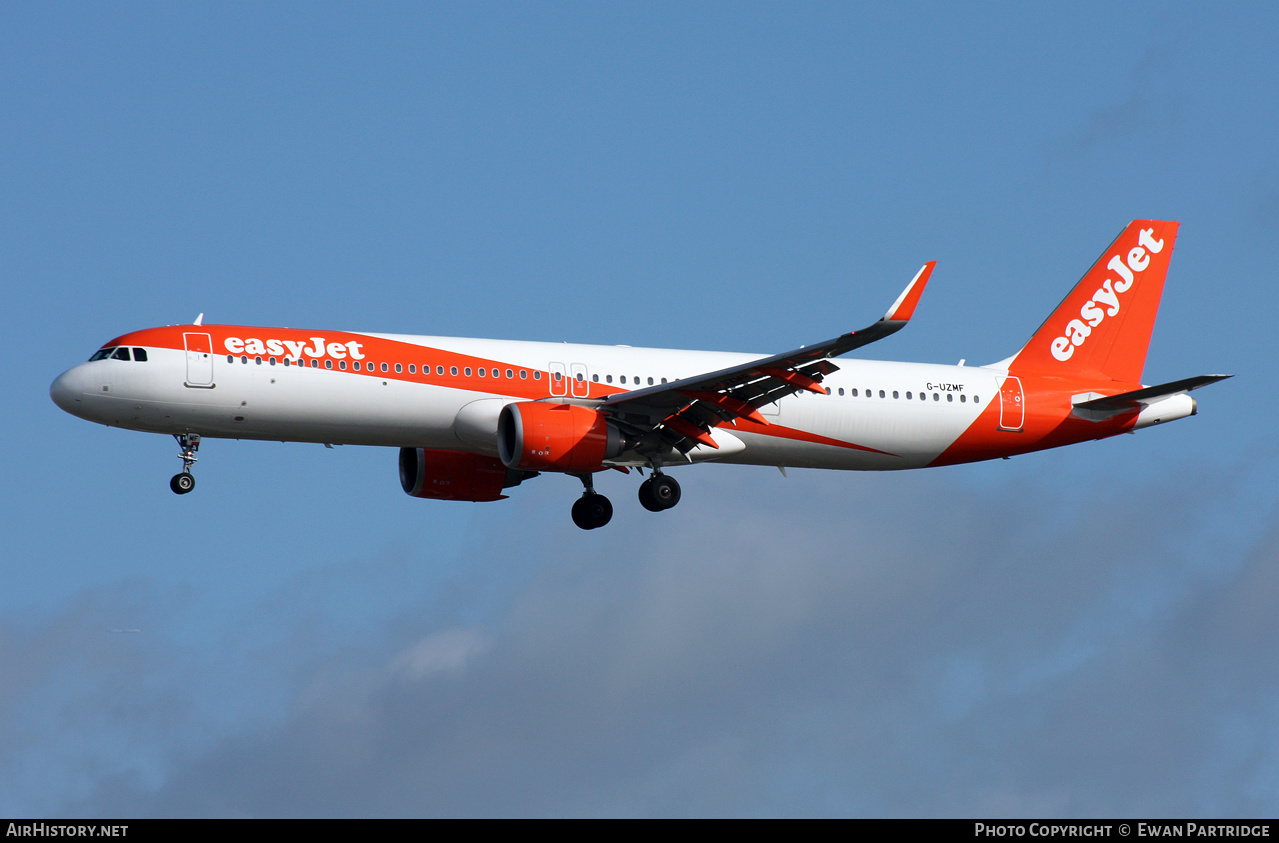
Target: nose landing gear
x: 185, y: 481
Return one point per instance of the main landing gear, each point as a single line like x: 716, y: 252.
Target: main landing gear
x: 592, y: 510
x: 659, y: 492
x: 185, y: 481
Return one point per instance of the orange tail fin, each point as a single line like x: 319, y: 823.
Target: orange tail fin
x: 1103, y: 326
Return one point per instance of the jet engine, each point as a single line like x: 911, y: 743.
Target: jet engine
x: 542, y: 436
x: 455, y: 475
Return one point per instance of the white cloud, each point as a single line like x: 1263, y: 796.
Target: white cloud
x: 440, y: 652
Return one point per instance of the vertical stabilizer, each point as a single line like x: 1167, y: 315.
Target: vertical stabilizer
x: 1103, y: 326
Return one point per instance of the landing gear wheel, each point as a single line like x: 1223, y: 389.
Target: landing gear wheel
x: 659, y: 492
x: 182, y: 483
x: 647, y: 500
x: 592, y: 511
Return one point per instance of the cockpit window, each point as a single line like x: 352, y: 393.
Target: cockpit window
x: 119, y: 353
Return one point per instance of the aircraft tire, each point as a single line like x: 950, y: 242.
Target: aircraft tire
x: 590, y: 512
x: 665, y: 491
x: 647, y: 499
x: 182, y: 483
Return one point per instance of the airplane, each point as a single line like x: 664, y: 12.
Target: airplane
x: 475, y: 417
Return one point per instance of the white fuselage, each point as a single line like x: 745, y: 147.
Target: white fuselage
x: 877, y: 415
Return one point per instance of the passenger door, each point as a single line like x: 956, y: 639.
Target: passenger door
x: 199, y: 348
x: 1012, y: 408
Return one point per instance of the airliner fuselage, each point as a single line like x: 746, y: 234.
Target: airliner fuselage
x: 475, y: 416
x: 877, y: 415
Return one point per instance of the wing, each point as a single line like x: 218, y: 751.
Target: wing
x: 681, y: 414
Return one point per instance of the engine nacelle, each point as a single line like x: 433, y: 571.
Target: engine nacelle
x: 455, y: 475
x: 541, y: 436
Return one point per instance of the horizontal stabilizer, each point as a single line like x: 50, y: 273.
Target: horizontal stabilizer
x: 1149, y: 394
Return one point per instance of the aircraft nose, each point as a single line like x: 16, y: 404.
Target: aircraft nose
x: 67, y: 389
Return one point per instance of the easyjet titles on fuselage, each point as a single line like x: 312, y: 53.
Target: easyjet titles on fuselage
x: 322, y: 348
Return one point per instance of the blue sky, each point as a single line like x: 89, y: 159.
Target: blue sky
x: 1081, y: 632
